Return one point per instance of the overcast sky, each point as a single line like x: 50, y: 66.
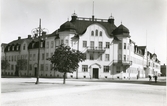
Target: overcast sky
x: 141, y: 17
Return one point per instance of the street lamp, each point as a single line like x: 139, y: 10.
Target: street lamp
x: 37, y: 32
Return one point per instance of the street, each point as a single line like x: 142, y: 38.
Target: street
x: 51, y: 92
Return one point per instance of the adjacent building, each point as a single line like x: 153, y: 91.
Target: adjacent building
x: 163, y: 70
x: 110, y: 51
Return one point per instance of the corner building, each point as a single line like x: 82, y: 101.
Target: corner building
x: 110, y: 53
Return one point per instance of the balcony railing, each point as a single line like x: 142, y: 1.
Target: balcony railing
x: 122, y: 62
x: 96, y: 49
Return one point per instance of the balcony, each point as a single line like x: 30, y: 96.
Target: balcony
x: 96, y: 49
x: 122, y: 62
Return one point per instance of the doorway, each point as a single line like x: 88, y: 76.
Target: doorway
x: 95, y: 73
x: 35, y: 71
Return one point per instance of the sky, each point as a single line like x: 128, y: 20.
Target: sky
x: 145, y: 19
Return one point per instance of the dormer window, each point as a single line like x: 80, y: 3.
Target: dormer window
x: 24, y: 47
x: 12, y: 47
x: 17, y: 47
x: 9, y: 48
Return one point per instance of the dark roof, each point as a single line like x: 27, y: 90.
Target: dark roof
x: 67, y: 26
x: 81, y: 26
x: 142, y: 48
x: 121, y: 30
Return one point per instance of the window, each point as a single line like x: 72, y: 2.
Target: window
x: 92, y: 44
x: 30, y: 57
x: 96, y: 32
x: 42, y: 67
x: 92, y: 33
x: 118, y: 69
x: 100, y: 45
x: 120, y: 45
x: 41, y: 44
x: 84, y: 68
x: 25, y: 67
x: 12, y: 58
x: 52, y: 43
x: 12, y: 67
x: 84, y: 43
x: 8, y: 48
x: 47, y: 44
x: 101, y: 33
x: 34, y: 57
x: 9, y: 58
x: 106, y: 68
x: 46, y: 67
x: 91, y: 57
x: 107, y: 44
x: 107, y: 57
x: 43, y: 56
x: 124, y: 45
x: 124, y: 57
x: 66, y: 42
x: 50, y: 67
x: 12, y: 47
x: 30, y: 66
x: 32, y: 45
x: 24, y: 46
x: 47, y: 55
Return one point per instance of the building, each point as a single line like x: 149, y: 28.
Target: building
x: 163, y: 70
x: 110, y: 53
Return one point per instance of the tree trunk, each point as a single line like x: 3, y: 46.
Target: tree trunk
x: 64, y: 81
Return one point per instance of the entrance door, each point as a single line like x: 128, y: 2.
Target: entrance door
x: 17, y: 71
x: 35, y: 71
x: 95, y: 73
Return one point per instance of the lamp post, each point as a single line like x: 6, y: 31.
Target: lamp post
x: 37, y: 34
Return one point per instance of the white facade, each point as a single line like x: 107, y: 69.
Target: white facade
x: 106, y: 56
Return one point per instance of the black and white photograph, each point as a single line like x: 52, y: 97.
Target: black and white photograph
x: 83, y: 52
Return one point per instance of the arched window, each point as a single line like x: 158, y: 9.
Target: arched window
x: 101, y: 33
x: 96, y: 32
x: 92, y: 33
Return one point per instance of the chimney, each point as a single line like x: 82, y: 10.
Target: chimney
x: 19, y: 38
x: 93, y: 17
x: 29, y: 36
x: 43, y: 33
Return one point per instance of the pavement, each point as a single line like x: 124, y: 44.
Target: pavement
x: 82, y: 92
